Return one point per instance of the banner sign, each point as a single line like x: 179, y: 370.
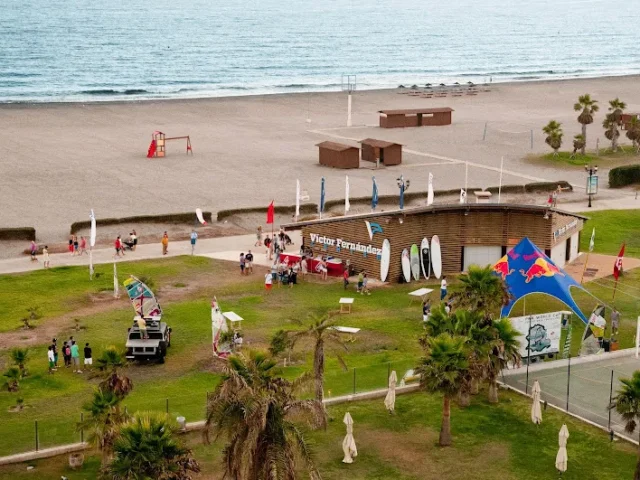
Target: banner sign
x: 339, y: 243
x: 544, y: 336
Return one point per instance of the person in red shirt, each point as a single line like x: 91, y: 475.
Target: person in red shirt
x: 118, y: 246
x: 345, y: 275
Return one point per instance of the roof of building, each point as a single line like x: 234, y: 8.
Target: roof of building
x: 337, y: 147
x: 378, y: 143
x: 415, y: 111
x: 470, y: 207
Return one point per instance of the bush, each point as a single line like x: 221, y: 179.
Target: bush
x: 188, y: 218
x: 623, y: 176
x: 547, y: 186
x: 22, y: 233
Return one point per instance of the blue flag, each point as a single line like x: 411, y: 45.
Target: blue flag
x: 374, y: 194
x: 321, y: 206
x: 401, y: 185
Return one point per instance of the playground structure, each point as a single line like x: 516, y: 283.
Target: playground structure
x: 159, y: 140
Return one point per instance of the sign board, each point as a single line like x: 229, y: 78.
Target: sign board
x: 544, y: 334
x: 592, y: 184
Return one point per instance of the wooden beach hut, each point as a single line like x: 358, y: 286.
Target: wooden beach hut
x: 389, y: 153
x: 338, y: 155
x: 417, y: 117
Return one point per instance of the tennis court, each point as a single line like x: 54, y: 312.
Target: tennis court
x: 583, y: 389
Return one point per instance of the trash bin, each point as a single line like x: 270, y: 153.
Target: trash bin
x: 606, y: 344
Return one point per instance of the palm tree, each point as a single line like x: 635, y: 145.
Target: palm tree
x: 258, y: 413
x: 616, y: 107
x: 504, y: 349
x: 146, y: 447
x: 321, y: 332
x: 481, y: 290
x: 19, y: 358
x: 13, y: 377
x: 627, y: 404
x: 443, y: 369
x: 553, y: 131
x: 588, y: 107
x: 611, y: 131
x: 633, y: 132
x: 109, y: 366
x: 578, y: 144
x: 102, y: 420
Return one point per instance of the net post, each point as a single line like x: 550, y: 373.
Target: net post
x: 638, y: 337
x: 568, y: 380
x: 484, y: 134
x: 610, y: 400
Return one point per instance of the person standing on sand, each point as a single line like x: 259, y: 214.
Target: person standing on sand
x: 45, y: 257
x: 70, y: 247
x: 165, y: 243
x: 34, y: 250
x: 83, y: 246
x: 194, y: 238
x: 258, y: 237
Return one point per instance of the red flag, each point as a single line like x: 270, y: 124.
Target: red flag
x: 270, y: 212
x: 617, y: 267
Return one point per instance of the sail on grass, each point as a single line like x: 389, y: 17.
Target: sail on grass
x: 143, y: 300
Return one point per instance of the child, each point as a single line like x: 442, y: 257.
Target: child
x: 258, y: 237
x: 51, y: 358
x: 88, y: 360
x: 66, y: 354
x: 194, y: 238
x: 426, y: 311
x: 45, y: 256
x: 71, y: 245
x: 34, y: 251
x: 443, y: 288
x: 268, y: 281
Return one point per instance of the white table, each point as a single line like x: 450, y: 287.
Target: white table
x: 345, y: 305
x: 420, y: 293
x: 234, y: 318
x: 350, y: 330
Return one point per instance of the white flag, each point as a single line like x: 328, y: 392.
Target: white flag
x: 116, y: 287
x: 430, y: 192
x: 347, y: 205
x: 297, y: 199
x: 92, y: 237
x: 592, y: 242
x: 463, y: 196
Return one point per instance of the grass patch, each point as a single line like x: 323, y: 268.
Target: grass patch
x: 606, y: 157
x: 612, y: 228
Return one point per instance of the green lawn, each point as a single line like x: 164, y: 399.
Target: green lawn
x: 491, y: 442
x: 612, y: 228
x: 606, y: 158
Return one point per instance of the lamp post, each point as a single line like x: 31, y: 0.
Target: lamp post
x: 592, y: 181
x: 403, y: 185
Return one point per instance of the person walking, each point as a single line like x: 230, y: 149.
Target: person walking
x: 51, y: 359
x: 45, y: 257
x: 194, y: 238
x: 242, y: 263
x: 83, y: 246
x: 34, y: 250
x: 70, y: 247
x: 54, y: 347
x: 118, y: 247
x: 165, y: 243
x: 268, y: 281
x: 345, y: 278
x: 360, y: 283
x: 88, y: 360
x: 267, y: 245
x: 248, y: 258
x: 258, y: 237
x: 75, y: 358
x: 615, y: 321
x: 443, y: 288
x: 76, y: 250
x: 66, y: 355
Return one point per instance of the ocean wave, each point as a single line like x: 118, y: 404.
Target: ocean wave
x: 111, y: 91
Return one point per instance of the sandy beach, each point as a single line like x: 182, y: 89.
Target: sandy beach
x: 59, y: 160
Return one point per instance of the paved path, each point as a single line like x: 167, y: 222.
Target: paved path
x: 222, y: 248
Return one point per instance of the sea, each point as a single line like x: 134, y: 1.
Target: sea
x: 82, y: 50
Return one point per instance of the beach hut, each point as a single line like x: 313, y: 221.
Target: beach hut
x: 338, y: 155
x: 417, y: 117
x: 389, y: 153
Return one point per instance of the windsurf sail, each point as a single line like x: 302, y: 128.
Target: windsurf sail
x: 218, y: 326
x: 142, y: 298
x: 593, y: 332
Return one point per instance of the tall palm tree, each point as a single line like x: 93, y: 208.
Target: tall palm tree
x: 13, y: 377
x: 611, y: 131
x: 259, y: 415
x: 19, y: 358
x: 481, y: 290
x: 321, y: 331
x: 616, y: 107
x: 146, y: 447
x: 633, y: 132
x: 504, y: 349
x: 443, y: 370
x: 587, y: 107
x: 627, y: 404
x: 553, y: 131
x: 578, y: 144
x: 102, y: 420
x: 109, y: 366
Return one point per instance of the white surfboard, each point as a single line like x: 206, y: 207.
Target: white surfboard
x: 414, y: 255
x: 406, y: 265
x: 385, y: 260
x: 436, y: 256
x: 200, y: 216
x: 425, y: 260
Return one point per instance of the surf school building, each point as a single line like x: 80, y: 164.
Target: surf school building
x: 469, y: 234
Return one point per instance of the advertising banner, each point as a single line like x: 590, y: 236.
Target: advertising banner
x: 544, y: 336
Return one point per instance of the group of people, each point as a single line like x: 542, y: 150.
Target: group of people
x: 246, y: 263
x: 77, y: 247
x: 33, y: 248
x: 285, y: 274
x: 70, y: 355
x: 363, y: 281
x: 130, y: 244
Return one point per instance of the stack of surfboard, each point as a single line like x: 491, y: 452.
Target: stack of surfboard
x: 425, y: 260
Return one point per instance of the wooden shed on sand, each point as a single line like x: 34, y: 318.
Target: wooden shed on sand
x: 389, y: 153
x: 338, y: 155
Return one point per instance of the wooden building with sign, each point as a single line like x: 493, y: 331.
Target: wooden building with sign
x: 469, y: 234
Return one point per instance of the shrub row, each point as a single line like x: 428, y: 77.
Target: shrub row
x: 22, y: 233
x: 187, y: 218
x: 623, y: 176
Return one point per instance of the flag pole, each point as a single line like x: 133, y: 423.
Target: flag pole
x: 615, y: 287
x: 466, y: 177
x: 585, y: 268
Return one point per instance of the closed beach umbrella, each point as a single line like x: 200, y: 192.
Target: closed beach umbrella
x: 536, y: 411
x: 349, y: 444
x: 561, y: 457
x: 390, y: 399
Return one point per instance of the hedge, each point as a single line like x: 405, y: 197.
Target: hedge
x: 21, y: 233
x: 547, y: 186
x: 188, y: 218
x: 623, y: 176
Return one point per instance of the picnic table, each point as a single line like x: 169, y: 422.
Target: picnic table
x: 420, y: 293
x: 350, y: 330
x: 345, y: 305
x: 235, y: 319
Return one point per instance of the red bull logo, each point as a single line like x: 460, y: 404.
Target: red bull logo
x: 540, y: 268
x: 502, y: 268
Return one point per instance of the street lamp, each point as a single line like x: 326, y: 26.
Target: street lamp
x: 403, y: 185
x: 592, y: 181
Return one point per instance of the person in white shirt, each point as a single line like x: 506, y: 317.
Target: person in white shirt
x: 443, y: 288
x: 268, y: 281
x: 52, y: 359
x: 194, y: 238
